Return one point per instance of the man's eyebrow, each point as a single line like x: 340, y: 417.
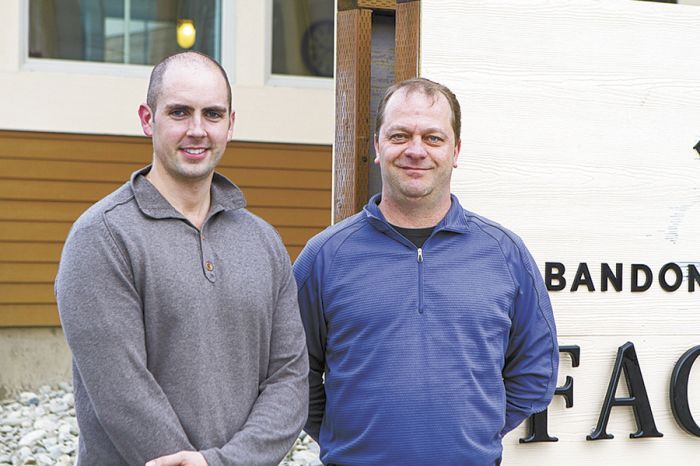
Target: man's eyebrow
x: 391, y: 128
x: 215, y: 108
x: 171, y: 107
x: 406, y: 129
x: 436, y: 130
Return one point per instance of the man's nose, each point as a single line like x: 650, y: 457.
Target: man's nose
x: 416, y: 147
x: 196, y: 128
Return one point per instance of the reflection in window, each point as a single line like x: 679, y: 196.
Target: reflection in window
x: 140, y: 32
x: 302, y: 37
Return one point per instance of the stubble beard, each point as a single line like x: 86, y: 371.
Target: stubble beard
x: 185, y: 171
x: 406, y: 189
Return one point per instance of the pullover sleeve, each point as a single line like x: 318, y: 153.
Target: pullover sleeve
x: 280, y: 409
x: 102, y: 317
x: 312, y: 316
x: 532, y: 357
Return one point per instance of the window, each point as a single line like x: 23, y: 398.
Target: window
x: 139, y: 32
x: 303, y: 37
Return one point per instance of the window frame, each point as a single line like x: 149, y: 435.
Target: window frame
x: 291, y: 80
x: 229, y: 19
x: 57, y: 65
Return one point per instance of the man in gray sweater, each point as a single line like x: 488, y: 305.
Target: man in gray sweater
x: 178, y: 304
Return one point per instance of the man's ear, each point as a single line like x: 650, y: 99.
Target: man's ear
x: 376, y: 149
x: 458, y: 147
x: 232, y: 120
x: 146, y: 119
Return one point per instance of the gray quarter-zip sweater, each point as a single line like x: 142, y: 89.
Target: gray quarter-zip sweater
x: 182, y: 339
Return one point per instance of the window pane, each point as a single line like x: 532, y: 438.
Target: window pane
x: 302, y: 37
x: 140, y: 32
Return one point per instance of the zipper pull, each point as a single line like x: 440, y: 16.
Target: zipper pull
x: 420, y: 254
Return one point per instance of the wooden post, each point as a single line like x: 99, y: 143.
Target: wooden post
x: 353, y: 85
x: 407, y: 39
x: 352, y: 111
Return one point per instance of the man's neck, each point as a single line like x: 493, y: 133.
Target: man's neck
x: 414, y: 213
x: 192, y: 198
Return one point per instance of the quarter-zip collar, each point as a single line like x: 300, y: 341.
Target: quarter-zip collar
x: 455, y: 220
x: 224, y: 196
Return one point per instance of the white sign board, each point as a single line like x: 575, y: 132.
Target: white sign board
x: 579, y: 121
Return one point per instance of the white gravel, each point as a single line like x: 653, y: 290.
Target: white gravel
x: 40, y: 429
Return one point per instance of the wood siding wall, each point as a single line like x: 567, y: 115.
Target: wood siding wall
x: 48, y: 180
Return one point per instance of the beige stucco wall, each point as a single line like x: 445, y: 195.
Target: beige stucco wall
x: 31, y: 357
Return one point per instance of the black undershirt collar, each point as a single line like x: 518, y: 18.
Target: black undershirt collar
x: 416, y: 236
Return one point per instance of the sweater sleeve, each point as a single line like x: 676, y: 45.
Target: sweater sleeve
x: 278, y: 414
x: 532, y: 357
x: 312, y: 316
x: 101, y: 314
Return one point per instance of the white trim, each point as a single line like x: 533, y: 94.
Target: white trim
x: 305, y: 82
x: 228, y: 30
x: 54, y: 65
x: 127, y: 29
x: 269, y: 13
x: 249, y: 43
x: 23, y: 39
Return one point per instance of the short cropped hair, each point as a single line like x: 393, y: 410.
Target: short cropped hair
x: 155, y: 85
x: 429, y: 88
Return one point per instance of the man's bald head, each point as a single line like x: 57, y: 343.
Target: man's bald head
x: 155, y: 85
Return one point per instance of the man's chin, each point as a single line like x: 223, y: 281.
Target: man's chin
x: 415, y: 194
x: 195, y: 173
x: 416, y: 190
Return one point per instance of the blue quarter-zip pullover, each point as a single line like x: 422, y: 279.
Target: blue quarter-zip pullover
x: 423, y: 356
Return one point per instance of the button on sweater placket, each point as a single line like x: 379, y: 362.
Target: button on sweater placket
x: 207, y: 258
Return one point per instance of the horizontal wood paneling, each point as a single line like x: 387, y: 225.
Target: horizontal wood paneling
x: 45, y: 231
x: 33, y: 231
x: 43, y: 190
x: 29, y: 315
x: 48, y: 180
x: 44, y: 146
x: 34, y: 252
x: 41, y: 211
x: 26, y: 293
x: 27, y: 272
x: 56, y: 170
x: 64, y: 147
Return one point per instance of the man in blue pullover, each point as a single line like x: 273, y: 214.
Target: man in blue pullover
x: 429, y: 329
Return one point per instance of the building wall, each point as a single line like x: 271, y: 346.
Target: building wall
x: 81, y: 97
x: 47, y: 180
x: 31, y: 357
x: 579, y: 121
x: 69, y: 135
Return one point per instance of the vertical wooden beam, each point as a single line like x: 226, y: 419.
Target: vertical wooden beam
x: 352, y: 96
x: 353, y: 91
x: 407, y: 39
